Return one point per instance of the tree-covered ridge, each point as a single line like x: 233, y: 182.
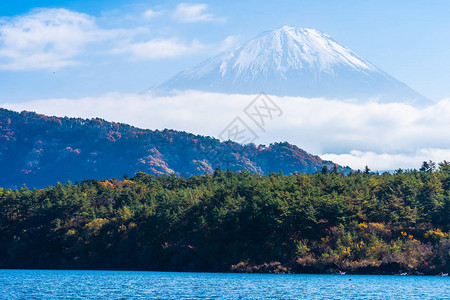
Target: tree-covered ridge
x: 228, y: 221
x: 38, y: 150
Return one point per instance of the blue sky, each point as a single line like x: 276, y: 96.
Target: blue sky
x: 121, y: 45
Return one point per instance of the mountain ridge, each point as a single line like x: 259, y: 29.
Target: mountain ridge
x: 38, y: 150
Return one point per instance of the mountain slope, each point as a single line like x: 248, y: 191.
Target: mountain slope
x: 294, y: 62
x: 38, y: 150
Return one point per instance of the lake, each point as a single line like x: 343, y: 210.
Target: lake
x: 61, y: 284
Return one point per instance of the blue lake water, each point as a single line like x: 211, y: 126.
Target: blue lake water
x: 50, y: 284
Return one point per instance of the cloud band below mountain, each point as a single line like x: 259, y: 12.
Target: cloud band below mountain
x: 383, y: 136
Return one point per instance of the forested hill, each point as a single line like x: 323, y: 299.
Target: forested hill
x: 227, y: 221
x: 38, y: 150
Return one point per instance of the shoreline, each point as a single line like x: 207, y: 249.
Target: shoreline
x: 346, y: 273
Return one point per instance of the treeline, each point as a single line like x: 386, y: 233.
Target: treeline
x: 235, y: 221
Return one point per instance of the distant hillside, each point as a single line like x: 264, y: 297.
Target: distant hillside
x: 38, y: 150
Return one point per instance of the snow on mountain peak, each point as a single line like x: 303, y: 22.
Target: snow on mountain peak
x: 290, y: 48
x: 295, y: 62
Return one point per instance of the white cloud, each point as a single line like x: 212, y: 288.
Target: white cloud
x: 46, y: 39
x: 229, y: 43
x: 192, y: 13
x: 158, y: 48
x: 169, y: 48
x: 150, y: 14
x: 388, y: 161
x: 56, y: 38
x: 382, y: 136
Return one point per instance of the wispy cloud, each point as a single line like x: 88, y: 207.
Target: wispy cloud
x: 169, y: 48
x: 57, y: 38
x: 389, y: 161
x: 46, y: 39
x: 229, y: 43
x: 150, y: 14
x: 382, y: 136
x: 192, y: 13
x: 158, y: 48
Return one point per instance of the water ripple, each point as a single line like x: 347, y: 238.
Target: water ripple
x: 52, y: 284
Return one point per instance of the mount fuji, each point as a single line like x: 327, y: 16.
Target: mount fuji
x: 293, y: 61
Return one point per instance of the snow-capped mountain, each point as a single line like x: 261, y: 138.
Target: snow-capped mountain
x: 294, y: 62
